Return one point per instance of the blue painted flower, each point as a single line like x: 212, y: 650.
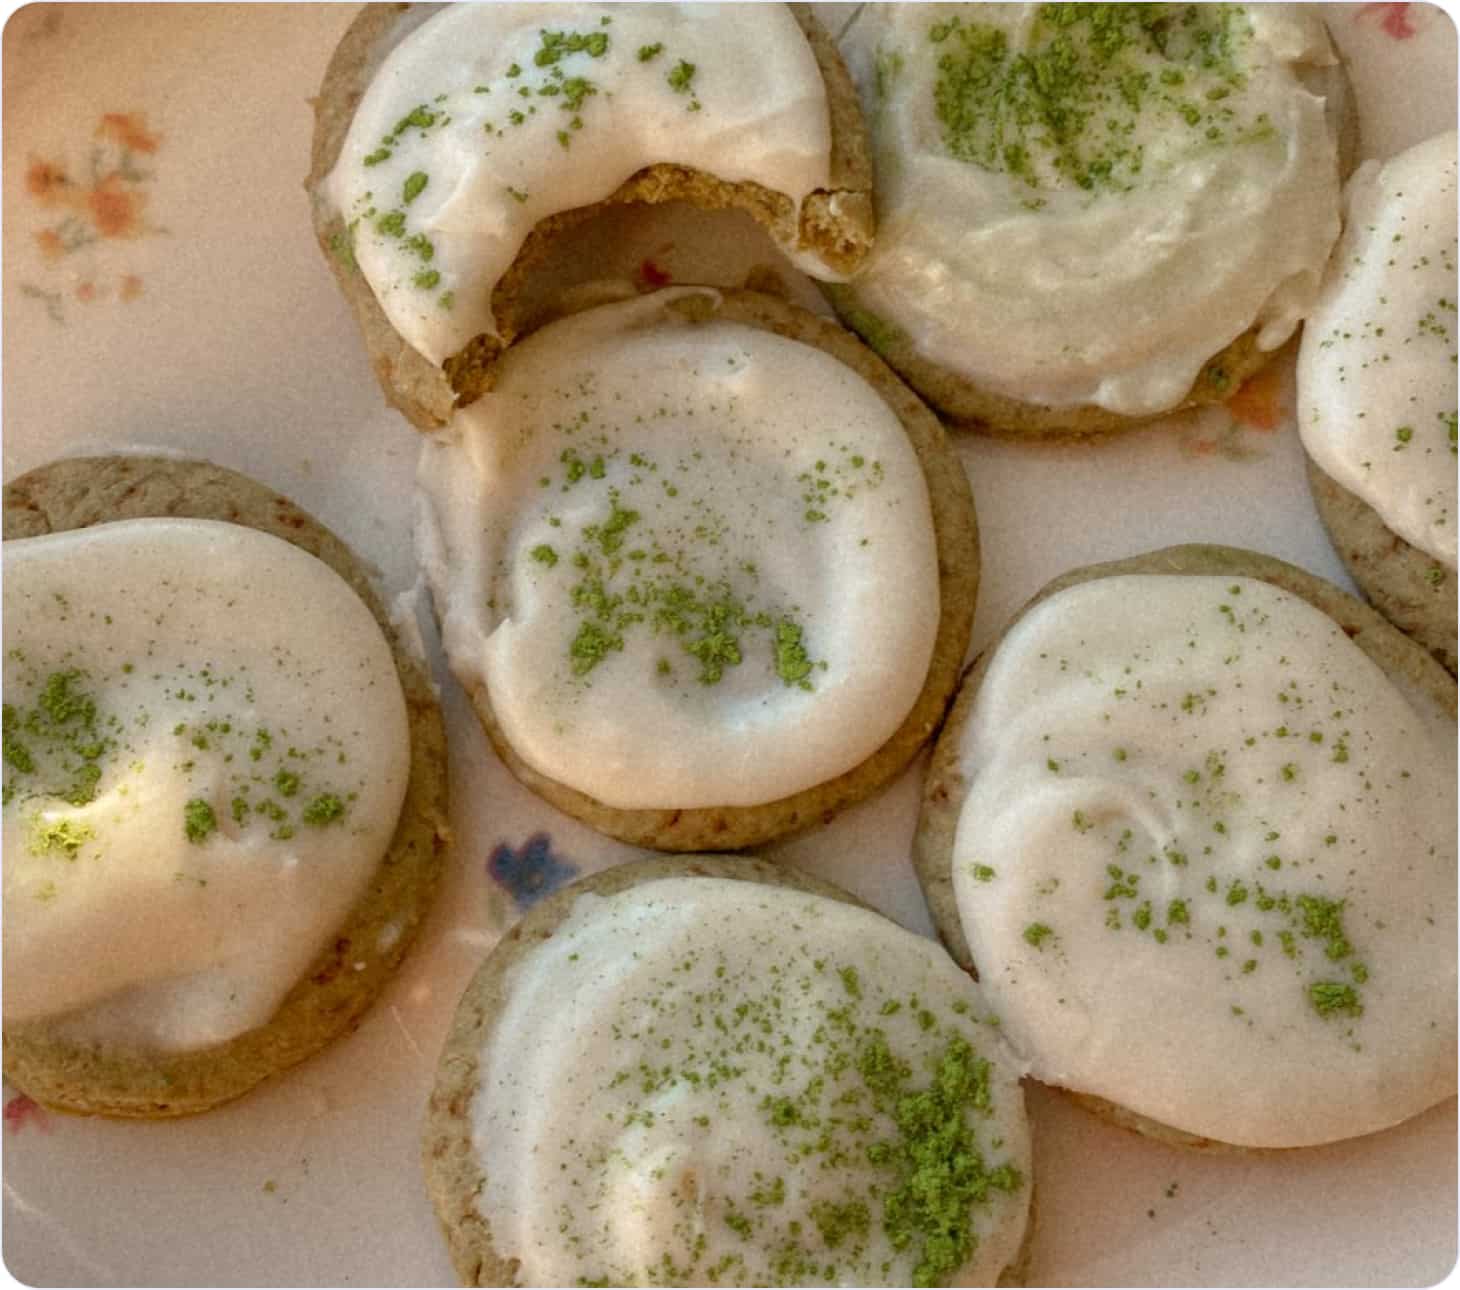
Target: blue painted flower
x: 530, y: 872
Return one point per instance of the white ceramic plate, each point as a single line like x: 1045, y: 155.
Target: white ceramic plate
x: 162, y: 292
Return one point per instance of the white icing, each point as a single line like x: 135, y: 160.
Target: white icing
x: 679, y: 467
x: 754, y: 109
x: 1136, y: 738
x: 1376, y: 374
x: 189, y: 638
x: 1118, y: 294
x: 405, y: 618
x: 678, y: 1048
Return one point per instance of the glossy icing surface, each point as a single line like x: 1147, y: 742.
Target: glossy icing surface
x: 1376, y: 376
x: 1082, y: 204
x: 693, y: 564
x: 205, y: 754
x: 719, y: 1082
x: 1206, y: 864
x: 487, y: 118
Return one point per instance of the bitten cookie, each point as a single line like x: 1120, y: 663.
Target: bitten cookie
x: 717, y: 1071
x: 1193, y: 820
x: 453, y: 144
x: 705, y: 567
x: 225, y: 786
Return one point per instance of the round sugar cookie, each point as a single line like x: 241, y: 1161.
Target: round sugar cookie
x: 705, y: 567
x: 1235, y: 896
x: 1091, y: 217
x: 565, y: 90
x: 111, y: 1076
x: 744, y: 1074
x: 1377, y: 391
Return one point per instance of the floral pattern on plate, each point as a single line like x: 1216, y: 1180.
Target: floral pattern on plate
x: 531, y: 871
x: 103, y: 201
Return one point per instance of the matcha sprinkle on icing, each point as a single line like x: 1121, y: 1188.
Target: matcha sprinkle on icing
x: 198, y: 820
x: 591, y: 646
x: 836, y: 1222
x: 793, y: 664
x: 1334, y: 998
x: 1323, y: 920
x: 63, y: 835
x: 421, y: 118
x: 326, y: 808
x: 62, y: 746
x: 56, y: 747
x: 682, y: 77
x: 941, y: 1174
x: 1036, y: 934
x: 16, y: 754
x: 558, y: 44
x: 856, y: 1124
x: 63, y: 704
x: 1063, y: 110
x: 623, y: 584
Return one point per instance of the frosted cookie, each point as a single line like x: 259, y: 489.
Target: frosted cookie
x: 706, y: 569
x: 1091, y: 214
x: 452, y: 143
x: 720, y: 1072
x: 1193, y: 818
x: 1377, y: 391
x: 224, y: 787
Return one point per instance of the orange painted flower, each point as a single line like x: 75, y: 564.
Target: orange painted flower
x: 115, y: 209
x: 128, y: 129
x: 111, y: 207
x: 50, y: 244
x: 1259, y: 403
x: 45, y: 180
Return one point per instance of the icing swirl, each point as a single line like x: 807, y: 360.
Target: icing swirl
x: 1206, y: 864
x: 1083, y: 204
